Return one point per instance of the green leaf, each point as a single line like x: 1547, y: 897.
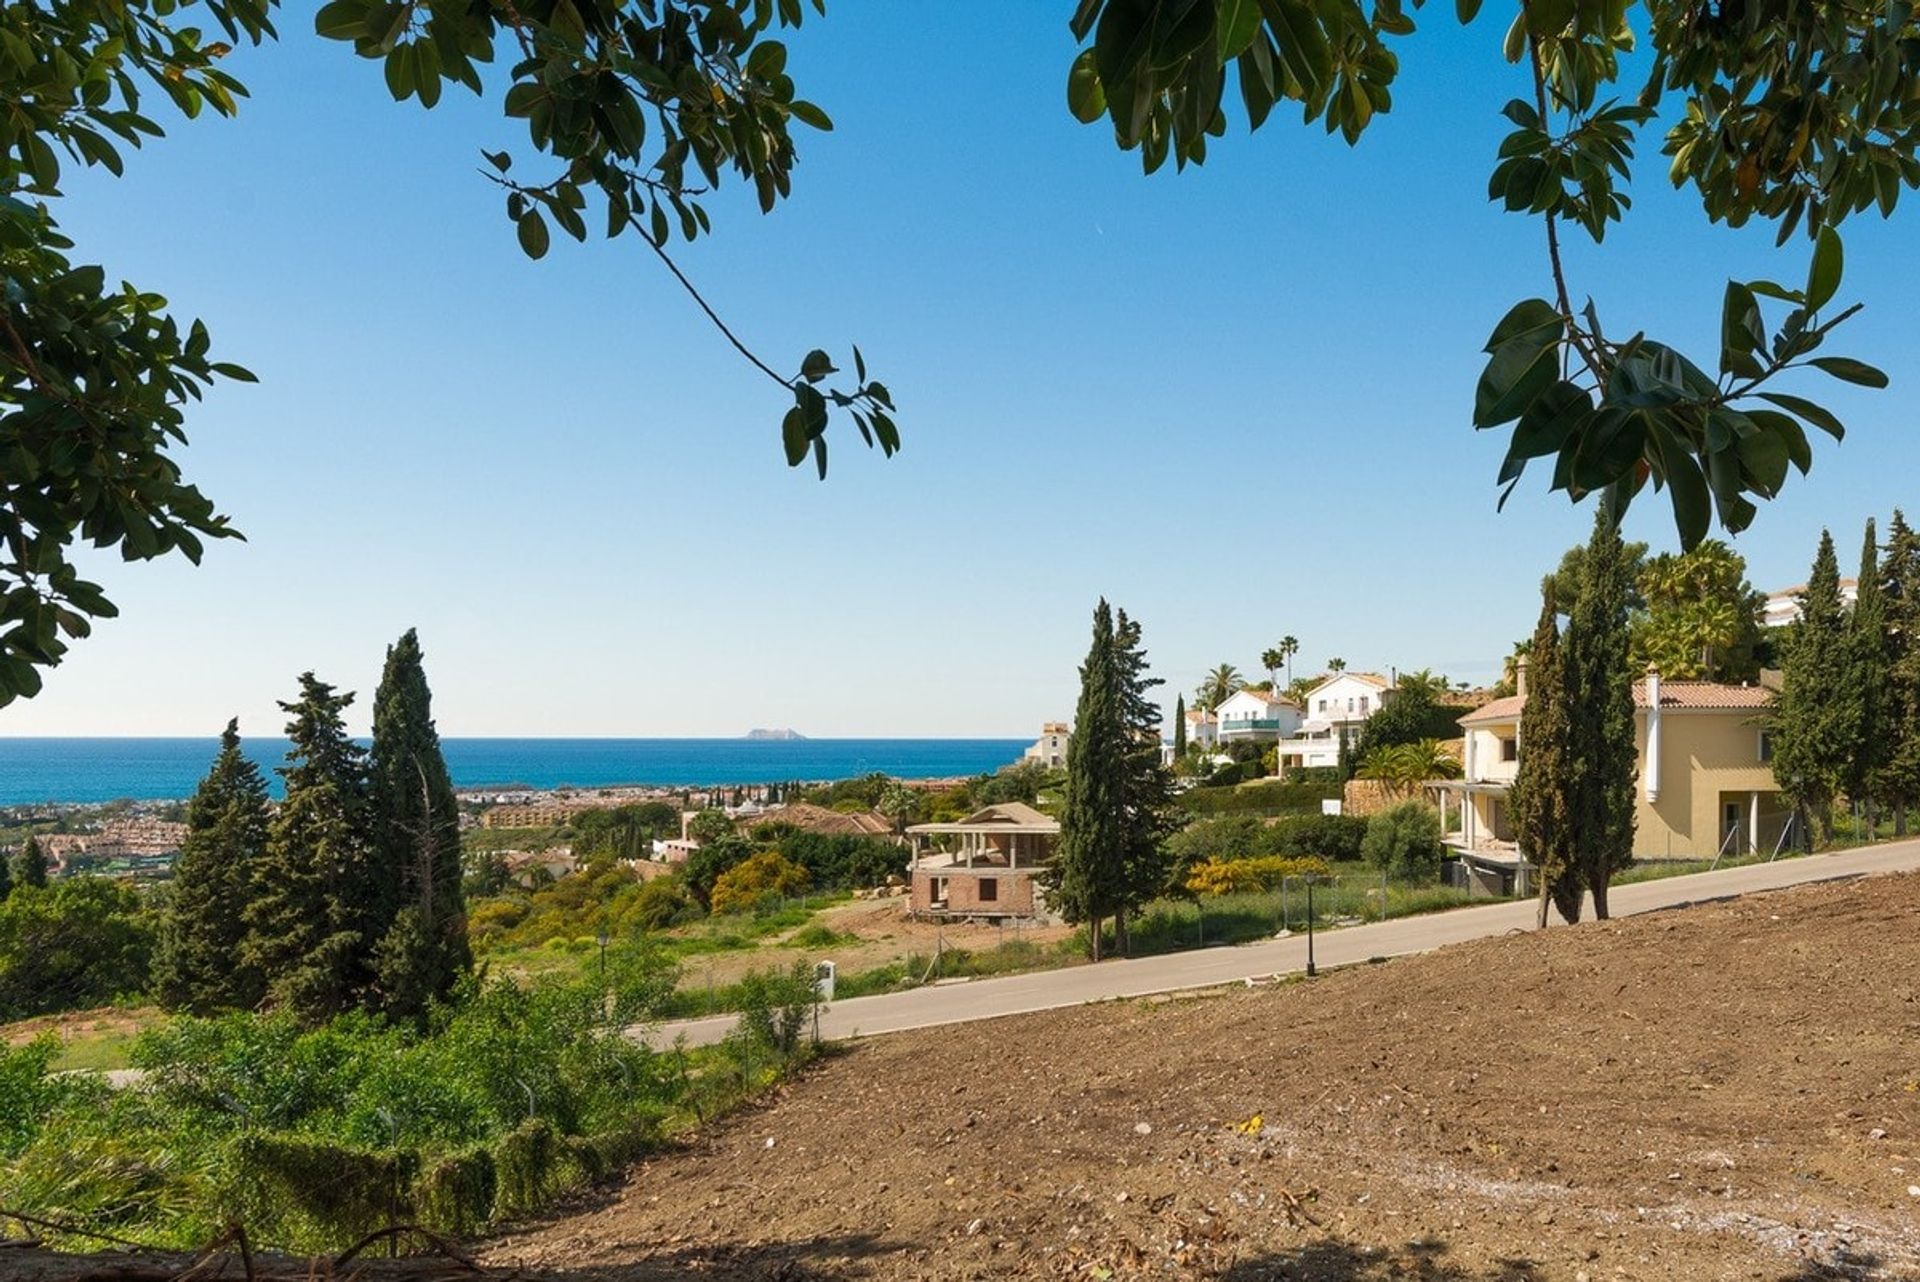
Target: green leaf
x: 816, y: 366
x: 1787, y: 428
x: 1817, y: 415
x: 1534, y: 319
x: 400, y: 73
x: 808, y: 114
x: 1517, y: 373
x: 1848, y: 370
x: 532, y: 229
x: 1823, y: 278
x: 499, y: 160
x: 793, y: 436
x: 1466, y: 10
x: 820, y: 455
x: 1236, y: 23
x: 1741, y: 331
x: 1085, y: 98
x: 341, y: 20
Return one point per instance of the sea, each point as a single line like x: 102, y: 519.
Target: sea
x: 33, y: 771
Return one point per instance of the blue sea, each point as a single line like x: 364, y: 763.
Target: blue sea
x: 94, y: 770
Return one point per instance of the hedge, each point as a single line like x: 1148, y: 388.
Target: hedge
x: 1277, y: 798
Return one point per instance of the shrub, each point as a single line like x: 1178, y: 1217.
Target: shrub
x: 745, y: 884
x: 1238, y: 876
x: 78, y: 942
x: 1335, y: 837
x: 1405, y: 841
x: 1276, y: 798
x: 660, y: 903
x: 844, y: 860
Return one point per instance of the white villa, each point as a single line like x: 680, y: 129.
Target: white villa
x: 1255, y: 714
x: 1782, y: 608
x: 1050, y: 749
x: 1336, y: 709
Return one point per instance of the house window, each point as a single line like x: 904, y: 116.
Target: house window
x: 1363, y: 703
x: 1766, y: 746
x: 1509, y: 750
x: 989, y: 890
x: 1323, y: 705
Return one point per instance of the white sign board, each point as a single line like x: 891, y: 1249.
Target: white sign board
x: 1330, y: 806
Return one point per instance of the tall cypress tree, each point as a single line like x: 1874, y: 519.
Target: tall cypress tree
x: 30, y: 864
x: 1602, y: 760
x: 199, y: 961
x: 423, y: 949
x: 1538, y: 798
x: 1179, y: 727
x: 1816, y: 712
x: 316, y: 896
x: 1898, y: 783
x: 1146, y: 784
x: 1867, y: 677
x: 1093, y: 821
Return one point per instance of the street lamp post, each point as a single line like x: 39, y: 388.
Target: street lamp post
x: 1310, y: 881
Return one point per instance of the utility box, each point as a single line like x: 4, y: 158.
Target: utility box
x: 823, y: 973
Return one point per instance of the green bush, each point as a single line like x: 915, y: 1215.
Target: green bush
x: 1335, y: 837
x: 760, y: 876
x: 1276, y: 798
x: 1405, y: 841
x: 75, y: 943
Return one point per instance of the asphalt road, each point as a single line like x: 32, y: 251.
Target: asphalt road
x: 964, y: 1000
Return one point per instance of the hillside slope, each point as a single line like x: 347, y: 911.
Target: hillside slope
x: 1730, y: 1091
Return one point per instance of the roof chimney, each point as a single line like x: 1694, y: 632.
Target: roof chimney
x: 1520, y: 675
x: 1653, y: 734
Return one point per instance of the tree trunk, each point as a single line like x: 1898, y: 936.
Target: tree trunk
x: 1545, y: 899
x: 1122, y: 940
x: 1600, y: 896
x: 1093, y: 938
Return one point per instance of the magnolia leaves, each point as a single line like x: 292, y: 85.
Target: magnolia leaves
x: 1614, y: 416
x: 1158, y: 68
x: 804, y: 428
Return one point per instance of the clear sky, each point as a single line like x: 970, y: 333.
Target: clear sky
x: 1235, y: 401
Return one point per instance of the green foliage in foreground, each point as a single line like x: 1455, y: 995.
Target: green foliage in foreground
x: 82, y: 941
x: 313, y: 1136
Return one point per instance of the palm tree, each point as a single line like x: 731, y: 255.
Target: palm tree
x: 1218, y: 686
x: 1403, y: 767
x: 1271, y: 659
x: 1336, y: 665
x: 1289, y: 646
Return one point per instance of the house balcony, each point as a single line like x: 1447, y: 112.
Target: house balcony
x: 1248, y: 727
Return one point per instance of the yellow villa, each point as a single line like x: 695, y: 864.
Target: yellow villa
x: 1704, y: 784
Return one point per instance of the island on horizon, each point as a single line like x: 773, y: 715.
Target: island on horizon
x: 774, y: 734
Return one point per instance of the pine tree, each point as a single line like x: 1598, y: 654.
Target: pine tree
x: 1538, y: 798
x: 316, y: 896
x: 30, y: 864
x: 1179, y: 727
x: 420, y: 917
x: 1898, y: 783
x: 1093, y: 824
x: 1816, y: 712
x: 1147, y: 786
x: 199, y: 961
x: 1867, y: 678
x: 1602, y: 760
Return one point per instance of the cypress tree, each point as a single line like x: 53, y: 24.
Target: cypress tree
x: 1179, y: 727
x: 6, y: 879
x: 315, y: 897
x: 1898, y: 783
x: 1602, y: 760
x: 1538, y: 798
x: 1816, y: 715
x: 30, y: 864
x: 1093, y: 826
x: 1146, y: 785
x: 421, y: 914
x: 199, y: 963
x: 1867, y: 677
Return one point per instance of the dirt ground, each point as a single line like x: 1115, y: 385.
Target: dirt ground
x: 885, y: 934
x: 1730, y: 1091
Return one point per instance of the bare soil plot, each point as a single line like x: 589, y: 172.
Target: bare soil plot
x: 1730, y: 1091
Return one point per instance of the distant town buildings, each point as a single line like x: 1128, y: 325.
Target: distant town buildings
x: 1782, y: 608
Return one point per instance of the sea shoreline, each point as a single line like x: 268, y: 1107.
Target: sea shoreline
x: 81, y: 772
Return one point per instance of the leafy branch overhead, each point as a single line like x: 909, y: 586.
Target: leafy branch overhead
x: 1801, y: 113
x: 636, y: 110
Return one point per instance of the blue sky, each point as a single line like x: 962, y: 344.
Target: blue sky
x: 1234, y: 401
